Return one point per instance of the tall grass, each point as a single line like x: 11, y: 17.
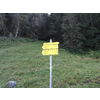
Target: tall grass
x: 21, y: 60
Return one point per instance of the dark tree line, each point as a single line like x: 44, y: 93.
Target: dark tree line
x: 21, y: 24
x: 75, y: 31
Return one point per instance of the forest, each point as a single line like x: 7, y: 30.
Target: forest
x: 78, y: 32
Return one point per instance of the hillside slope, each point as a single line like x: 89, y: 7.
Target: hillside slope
x: 21, y: 60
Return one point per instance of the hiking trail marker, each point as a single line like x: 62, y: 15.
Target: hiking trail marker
x: 50, y: 49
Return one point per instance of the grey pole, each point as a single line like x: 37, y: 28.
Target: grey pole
x: 50, y: 68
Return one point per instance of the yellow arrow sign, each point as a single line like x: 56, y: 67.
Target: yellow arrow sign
x: 50, y: 52
x: 49, y: 46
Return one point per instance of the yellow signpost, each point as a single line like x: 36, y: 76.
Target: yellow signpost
x: 50, y: 49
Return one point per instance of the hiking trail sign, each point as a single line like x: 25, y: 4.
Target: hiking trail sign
x: 50, y: 49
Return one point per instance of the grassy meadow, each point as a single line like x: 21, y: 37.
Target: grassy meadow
x: 21, y: 60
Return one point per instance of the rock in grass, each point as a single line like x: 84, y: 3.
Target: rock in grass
x: 11, y: 84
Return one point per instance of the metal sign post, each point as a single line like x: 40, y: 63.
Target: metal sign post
x: 50, y: 68
x: 50, y: 48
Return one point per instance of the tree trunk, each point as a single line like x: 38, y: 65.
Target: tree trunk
x: 12, y: 24
x: 17, y: 27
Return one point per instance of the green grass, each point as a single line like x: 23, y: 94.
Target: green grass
x: 21, y: 60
